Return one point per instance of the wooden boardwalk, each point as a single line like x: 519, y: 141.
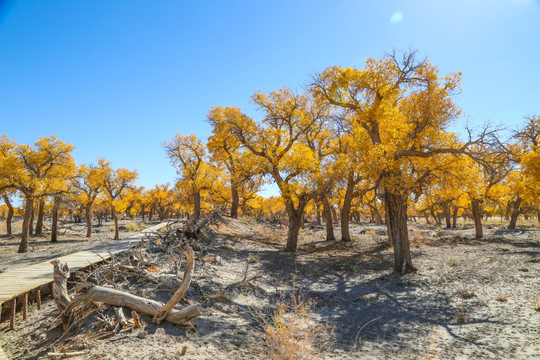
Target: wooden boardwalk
x: 21, y: 282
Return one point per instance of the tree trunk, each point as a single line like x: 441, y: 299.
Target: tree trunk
x: 116, y: 227
x: 142, y: 212
x: 334, y: 214
x: 515, y: 213
x: 477, y: 216
x: 295, y: 218
x: 346, y: 212
x: 92, y: 293
x: 454, y: 216
x: 235, y: 202
x: 31, y: 226
x: 9, y: 215
x: 23, y: 247
x: 328, y: 219
x: 88, y: 216
x: 446, y: 212
x: 54, y: 226
x: 39, y: 223
x: 396, y: 208
x: 318, y: 219
x: 197, y: 205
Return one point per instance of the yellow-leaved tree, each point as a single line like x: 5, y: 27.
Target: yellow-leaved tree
x: 280, y: 142
x: 243, y: 170
x: 87, y: 183
x: 36, y: 171
x: 404, y: 106
x: 188, y: 154
x: 116, y: 184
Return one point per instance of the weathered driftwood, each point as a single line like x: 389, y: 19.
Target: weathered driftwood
x: 180, y: 292
x: 91, y: 292
x: 59, y: 289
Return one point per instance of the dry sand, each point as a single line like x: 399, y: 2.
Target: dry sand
x: 448, y: 310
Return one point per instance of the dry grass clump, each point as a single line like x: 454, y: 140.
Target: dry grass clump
x: 133, y: 226
x: 467, y: 294
x: 462, y: 314
x: 289, y: 332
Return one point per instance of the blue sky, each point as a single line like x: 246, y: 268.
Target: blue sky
x: 117, y: 78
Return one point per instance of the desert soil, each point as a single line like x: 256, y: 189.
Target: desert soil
x: 470, y: 298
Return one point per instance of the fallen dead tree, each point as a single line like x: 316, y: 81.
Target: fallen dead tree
x: 90, y: 293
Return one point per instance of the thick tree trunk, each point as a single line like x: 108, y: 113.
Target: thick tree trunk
x: 454, y: 216
x: 346, y: 212
x: 295, y: 219
x: 197, y: 205
x: 29, y: 204
x: 477, y: 216
x: 396, y: 208
x: 328, y: 219
x: 318, y: 219
x: 515, y: 213
x: 88, y: 216
x: 116, y: 227
x: 39, y: 222
x: 31, y: 226
x: 54, y: 226
x: 446, y: 212
x: 235, y: 202
x: 9, y: 215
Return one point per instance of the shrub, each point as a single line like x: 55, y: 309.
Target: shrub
x: 452, y: 261
x: 288, y: 332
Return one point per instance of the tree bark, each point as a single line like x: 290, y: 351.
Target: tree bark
x: 446, y: 212
x: 31, y: 226
x: 39, y: 222
x: 295, y: 218
x: 328, y: 219
x: 9, y: 215
x: 90, y: 292
x: 88, y: 216
x: 346, y: 212
x: 116, y: 227
x: 235, y: 202
x: 477, y: 216
x: 54, y: 226
x: 59, y: 289
x: 515, y: 213
x: 180, y: 292
x: 197, y: 205
x: 454, y: 216
x: 29, y: 204
x: 396, y: 208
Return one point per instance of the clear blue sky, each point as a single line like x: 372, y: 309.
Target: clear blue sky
x: 117, y: 78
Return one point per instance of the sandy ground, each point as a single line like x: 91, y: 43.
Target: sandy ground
x: 448, y: 310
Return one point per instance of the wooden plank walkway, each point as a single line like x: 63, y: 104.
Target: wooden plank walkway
x: 22, y: 281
